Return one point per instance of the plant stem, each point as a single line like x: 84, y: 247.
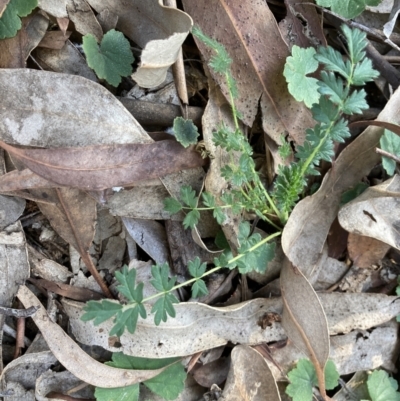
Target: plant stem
x: 216, y: 268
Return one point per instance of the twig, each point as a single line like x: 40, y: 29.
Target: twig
x: 18, y: 312
x: 387, y: 154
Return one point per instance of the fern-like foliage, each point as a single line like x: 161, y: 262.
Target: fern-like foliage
x: 337, y: 98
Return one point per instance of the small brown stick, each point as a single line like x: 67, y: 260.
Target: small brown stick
x: 387, y: 154
x: 18, y: 313
x: 20, y: 339
x: 178, y: 68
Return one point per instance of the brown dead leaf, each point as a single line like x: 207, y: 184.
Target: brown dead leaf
x: 250, y: 377
x: 107, y: 166
x: 366, y: 251
x: 15, y: 51
x: 305, y: 233
x: 24, y: 179
x: 54, y: 40
x: 252, y: 38
x: 53, y: 110
x: 308, y: 330
x: 159, y: 30
x: 375, y: 213
x: 74, y: 358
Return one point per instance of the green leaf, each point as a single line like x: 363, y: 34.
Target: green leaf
x: 381, y: 388
x: 199, y: 288
x: 127, y: 279
x: 348, y: 8
x: 196, y: 268
x: 333, y: 61
x: 302, y: 379
x: 127, y: 319
x: 10, y: 22
x: 112, y: 59
x: 353, y: 193
x: 219, y: 215
x: 161, y: 282
x: 164, y: 307
x: 186, y: 132
x: 208, y: 199
x: 127, y: 393
x: 332, y: 87
x: 284, y: 150
x: 298, y: 65
x: 364, y: 72
x: 188, y: 196
x: 191, y: 219
x: 355, y: 103
x: 390, y: 142
x: 167, y: 384
x: 100, y: 311
x: 331, y: 375
x: 172, y: 205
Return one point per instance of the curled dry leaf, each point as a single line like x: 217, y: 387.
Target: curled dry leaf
x: 250, y: 377
x: 250, y: 34
x: 42, y: 109
x: 159, y: 30
x: 106, y: 166
x: 198, y: 327
x: 306, y: 231
x: 24, y: 179
x: 69, y: 354
x: 375, y: 213
x: 308, y: 331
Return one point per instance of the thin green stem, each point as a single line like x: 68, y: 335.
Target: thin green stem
x: 213, y: 270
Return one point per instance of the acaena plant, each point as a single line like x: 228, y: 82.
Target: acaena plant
x: 330, y: 98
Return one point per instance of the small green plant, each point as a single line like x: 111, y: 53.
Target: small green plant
x: 381, y: 387
x: 348, y: 8
x: 330, y: 98
x: 168, y: 384
x: 303, y: 378
x: 10, y: 21
x: 112, y: 59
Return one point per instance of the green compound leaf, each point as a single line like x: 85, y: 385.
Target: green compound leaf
x: 348, y: 8
x: 333, y: 61
x: 127, y: 279
x: 390, y: 142
x: 112, y: 59
x: 208, y: 199
x: 100, y: 311
x: 168, y: 384
x: 127, y: 319
x: 172, y: 205
x: 188, y: 196
x: 196, y: 268
x: 164, y: 307
x: 199, y: 288
x: 298, y: 65
x: 191, y: 219
x: 186, y: 132
x: 381, y: 387
x: 219, y: 215
x: 10, y: 22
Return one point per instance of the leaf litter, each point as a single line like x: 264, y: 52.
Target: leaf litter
x: 78, y: 156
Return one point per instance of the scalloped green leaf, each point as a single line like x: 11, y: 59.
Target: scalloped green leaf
x: 112, y: 59
x: 348, y: 8
x: 186, y: 132
x: 10, y: 22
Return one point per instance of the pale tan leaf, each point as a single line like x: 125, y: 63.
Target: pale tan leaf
x: 249, y: 377
x: 307, y: 330
x: 74, y: 358
x: 159, y: 30
x: 251, y: 36
x: 306, y: 231
x: 3, y: 5
x: 43, y: 109
x: 198, y: 327
x: 375, y: 213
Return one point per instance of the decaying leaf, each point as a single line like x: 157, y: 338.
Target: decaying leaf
x: 107, y: 166
x: 250, y: 41
x: 249, y: 377
x: 198, y: 327
x: 308, y: 331
x: 42, y: 109
x: 74, y: 358
x: 159, y: 30
x: 375, y: 213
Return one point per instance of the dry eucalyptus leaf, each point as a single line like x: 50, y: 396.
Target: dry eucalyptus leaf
x: 74, y: 359
x: 159, y: 30
x: 307, y: 330
x: 250, y: 34
x: 67, y: 60
x: 198, y: 327
x: 54, y: 110
x: 375, y: 213
x: 306, y: 231
x: 250, y: 377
